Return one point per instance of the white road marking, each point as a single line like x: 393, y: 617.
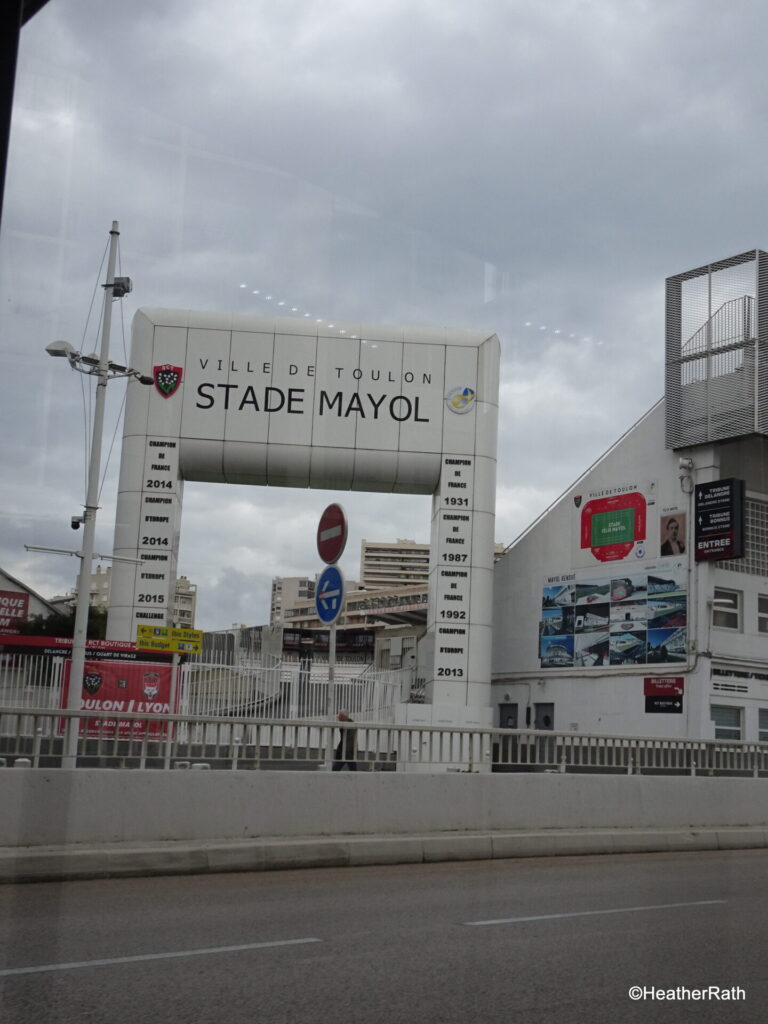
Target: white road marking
x: 151, y: 956
x: 593, y: 913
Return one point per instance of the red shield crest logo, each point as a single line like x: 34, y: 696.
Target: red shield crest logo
x: 91, y: 682
x: 167, y: 379
x: 150, y: 685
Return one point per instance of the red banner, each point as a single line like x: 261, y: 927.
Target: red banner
x: 122, y: 687
x: 663, y: 686
x: 58, y: 646
x: 14, y: 609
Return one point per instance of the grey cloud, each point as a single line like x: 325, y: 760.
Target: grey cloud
x: 477, y: 165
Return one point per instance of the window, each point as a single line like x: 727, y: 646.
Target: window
x: 763, y: 725
x: 727, y: 722
x: 755, y: 560
x: 726, y: 607
x: 762, y: 613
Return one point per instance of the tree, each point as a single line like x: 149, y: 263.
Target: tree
x: 63, y: 625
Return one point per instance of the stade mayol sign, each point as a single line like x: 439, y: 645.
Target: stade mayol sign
x: 289, y: 402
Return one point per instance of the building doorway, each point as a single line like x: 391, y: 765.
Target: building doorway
x: 544, y: 716
x: 508, y: 716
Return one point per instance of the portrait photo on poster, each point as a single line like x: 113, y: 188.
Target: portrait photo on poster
x: 672, y: 530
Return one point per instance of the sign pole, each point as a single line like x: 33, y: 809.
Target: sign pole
x: 332, y: 534
x: 331, y: 709
x: 175, y: 669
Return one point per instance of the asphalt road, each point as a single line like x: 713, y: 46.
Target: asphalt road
x: 548, y: 940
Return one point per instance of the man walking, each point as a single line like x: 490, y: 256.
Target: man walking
x: 345, y: 751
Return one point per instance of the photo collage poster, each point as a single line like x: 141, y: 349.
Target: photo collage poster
x: 625, y: 619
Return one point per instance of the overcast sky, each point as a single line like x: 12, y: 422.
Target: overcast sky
x: 536, y: 170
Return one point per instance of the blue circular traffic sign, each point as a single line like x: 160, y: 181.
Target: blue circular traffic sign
x: 329, y: 595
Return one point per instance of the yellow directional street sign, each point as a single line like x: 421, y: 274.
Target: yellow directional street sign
x: 167, y: 638
x: 144, y: 644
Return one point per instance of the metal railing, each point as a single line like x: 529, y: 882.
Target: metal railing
x: 253, y: 691
x: 732, y: 324
x: 31, y: 680
x: 287, y: 691
x: 34, y: 738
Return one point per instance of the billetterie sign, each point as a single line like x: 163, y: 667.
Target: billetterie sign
x: 292, y: 403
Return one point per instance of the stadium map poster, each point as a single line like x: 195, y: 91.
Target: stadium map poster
x: 612, y: 523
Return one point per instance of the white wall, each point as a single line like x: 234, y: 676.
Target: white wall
x: 604, y: 699
x: 42, y: 807
x: 610, y: 699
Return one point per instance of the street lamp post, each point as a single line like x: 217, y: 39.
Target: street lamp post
x: 102, y: 368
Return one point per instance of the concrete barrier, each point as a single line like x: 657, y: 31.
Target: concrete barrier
x: 45, y: 808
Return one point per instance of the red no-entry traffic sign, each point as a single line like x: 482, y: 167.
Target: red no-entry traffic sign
x: 332, y: 534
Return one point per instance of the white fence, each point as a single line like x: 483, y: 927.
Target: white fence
x: 291, y: 690
x: 33, y: 737
x: 31, y: 680
x: 252, y: 716
x: 246, y: 691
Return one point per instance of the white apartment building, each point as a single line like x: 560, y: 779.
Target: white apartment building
x: 184, y: 603
x: 400, y: 564
x: 391, y: 605
x: 287, y: 592
x: 184, y: 597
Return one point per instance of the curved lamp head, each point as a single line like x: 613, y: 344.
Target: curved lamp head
x: 60, y: 348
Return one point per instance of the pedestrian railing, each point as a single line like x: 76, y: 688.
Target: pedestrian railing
x: 288, y: 690
x: 253, y: 691
x: 34, y: 738
x: 31, y: 680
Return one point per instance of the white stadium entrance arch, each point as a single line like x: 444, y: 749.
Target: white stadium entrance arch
x: 282, y: 402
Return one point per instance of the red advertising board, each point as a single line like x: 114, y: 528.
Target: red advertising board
x: 61, y: 646
x: 122, y: 687
x: 663, y: 686
x: 14, y: 609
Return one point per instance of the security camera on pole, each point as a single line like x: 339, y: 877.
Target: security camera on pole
x: 101, y: 367
x: 329, y: 595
